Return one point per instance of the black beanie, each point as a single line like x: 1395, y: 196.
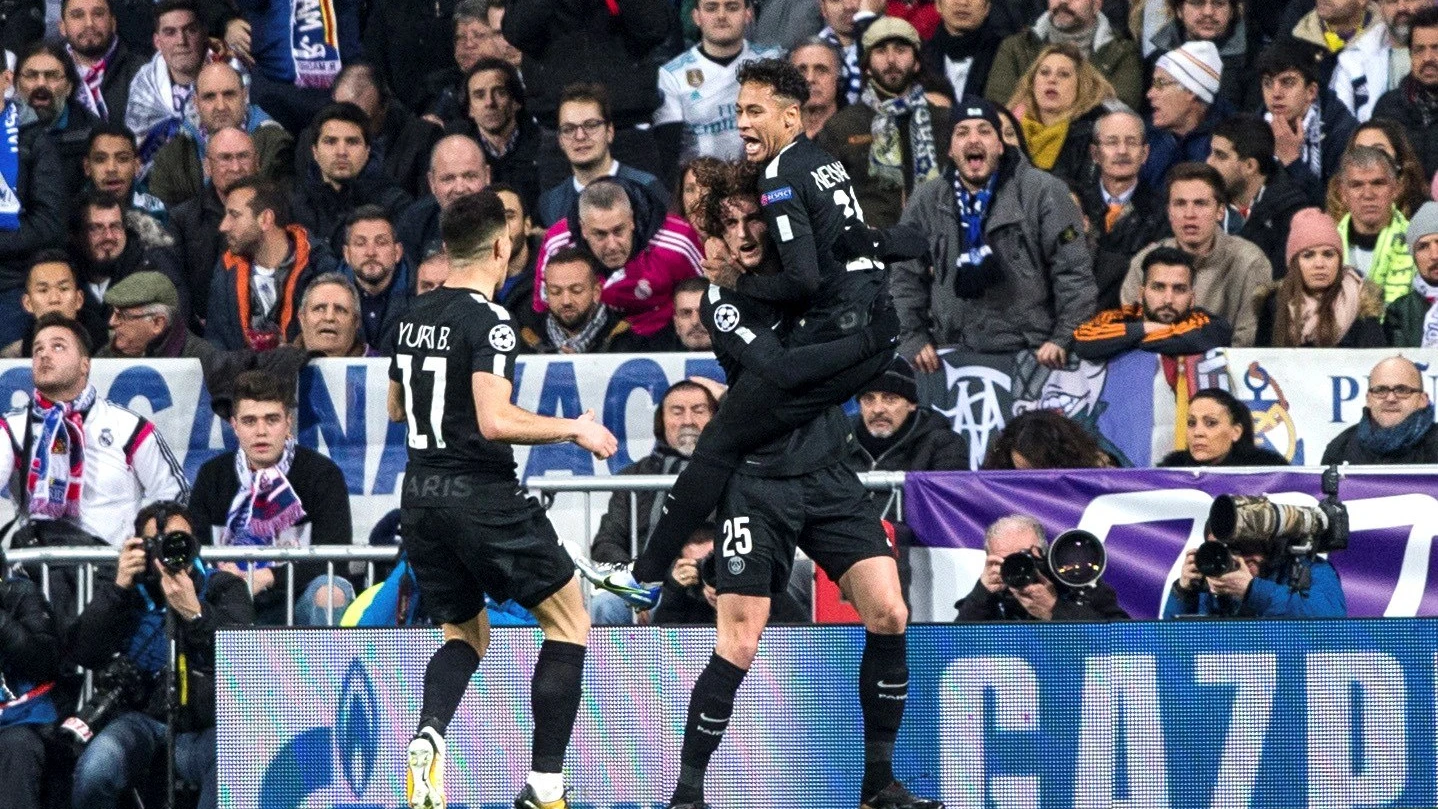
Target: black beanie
x: 898, y: 380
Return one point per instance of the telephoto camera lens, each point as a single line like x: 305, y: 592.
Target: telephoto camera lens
x: 1019, y: 570
x: 175, y: 550
x: 1213, y: 559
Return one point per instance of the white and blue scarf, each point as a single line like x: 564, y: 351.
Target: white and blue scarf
x: 57, y: 461
x: 265, y: 506
x: 886, y: 151
x: 315, y: 43
x: 10, y: 169
x: 976, y: 267
x: 1430, y: 320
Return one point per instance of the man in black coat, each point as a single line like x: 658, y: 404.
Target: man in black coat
x: 344, y: 176
x: 269, y: 457
x: 195, y: 223
x: 106, y: 66
x: 46, y: 79
x: 29, y: 664
x: 992, y: 600
x: 1397, y: 425
x: 125, y: 621
x: 894, y: 434
x: 1414, y: 102
x: 1260, y: 191
x: 39, y: 187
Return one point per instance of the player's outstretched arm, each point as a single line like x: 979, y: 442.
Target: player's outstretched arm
x: 500, y: 420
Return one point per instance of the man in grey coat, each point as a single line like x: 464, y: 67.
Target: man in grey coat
x: 1009, y: 266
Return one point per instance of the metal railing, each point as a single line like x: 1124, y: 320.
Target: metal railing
x: 87, y: 559
x: 548, y: 488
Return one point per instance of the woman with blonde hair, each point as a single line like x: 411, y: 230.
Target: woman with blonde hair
x: 1320, y: 302
x: 1058, y: 101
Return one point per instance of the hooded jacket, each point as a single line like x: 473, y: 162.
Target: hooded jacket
x: 1036, y: 233
x: 666, y: 250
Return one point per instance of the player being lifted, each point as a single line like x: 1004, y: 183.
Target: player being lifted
x: 793, y: 492
x: 828, y: 284
x: 467, y: 527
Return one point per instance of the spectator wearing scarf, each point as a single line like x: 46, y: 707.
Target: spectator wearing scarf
x: 1320, y: 302
x: 577, y: 322
x: 105, y: 81
x: 271, y: 492
x: 891, y: 141
x: 1058, y: 102
x: 1412, y: 320
x: 1397, y: 425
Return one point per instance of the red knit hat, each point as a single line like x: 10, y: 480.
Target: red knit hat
x: 1311, y: 228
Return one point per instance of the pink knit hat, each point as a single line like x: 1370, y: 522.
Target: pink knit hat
x: 1311, y: 228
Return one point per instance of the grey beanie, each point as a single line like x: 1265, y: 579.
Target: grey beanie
x: 1423, y: 223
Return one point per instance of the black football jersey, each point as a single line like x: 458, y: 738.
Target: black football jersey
x: 446, y: 337
x: 807, y: 198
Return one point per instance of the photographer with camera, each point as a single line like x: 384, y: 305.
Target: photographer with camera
x: 1013, y: 588
x: 29, y: 662
x: 121, y: 635
x: 1261, y: 560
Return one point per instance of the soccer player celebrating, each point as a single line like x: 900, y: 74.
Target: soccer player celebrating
x: 468, y: 529
x: 794, y: 492
x: 830, y: 279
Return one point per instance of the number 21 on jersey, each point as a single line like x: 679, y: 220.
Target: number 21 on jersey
x: 423, y: 387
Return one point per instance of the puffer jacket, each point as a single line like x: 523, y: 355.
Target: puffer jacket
x: 1036, y: 233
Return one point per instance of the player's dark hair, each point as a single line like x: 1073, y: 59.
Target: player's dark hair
x: 1047, y: 440
x: 778, y: 75
x: 683, y: 384
x: 1252, y: 139
x: 59, y: 321
x: 346, y: 111
x: 108, y: 129
x: 1169, y: 257
x: 588, y: 91
x: 366, y: 213
x: 471, y: 224
x: 1289, y: 54
x: 1193, y: 170
x: 262, y: 386
x: 268, y: 197
x: 53, y: 255
x: 573, y: 254
x: 721, y: 182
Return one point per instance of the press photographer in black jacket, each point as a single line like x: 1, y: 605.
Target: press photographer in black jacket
x: 125, y: 626
x: 29, y: 663
x: 992, y: 600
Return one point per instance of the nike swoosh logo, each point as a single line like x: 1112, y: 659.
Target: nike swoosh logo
x: 703, y: 717
x: 904, y: 684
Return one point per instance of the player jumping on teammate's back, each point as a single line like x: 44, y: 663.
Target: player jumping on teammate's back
x: 830, y: 279
x: 791, y: 493
x: 468, y: 529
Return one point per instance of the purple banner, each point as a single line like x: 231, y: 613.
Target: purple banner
x: 1148, y: 517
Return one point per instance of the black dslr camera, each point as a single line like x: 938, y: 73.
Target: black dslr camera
x: 1075, y: 559
x: 119, y: 687
x: 1246, y: 524
x: 176, y: 551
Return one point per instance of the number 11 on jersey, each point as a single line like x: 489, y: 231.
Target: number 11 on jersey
x: 422, y: 436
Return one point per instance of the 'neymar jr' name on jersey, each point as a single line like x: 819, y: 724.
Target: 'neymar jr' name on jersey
x: 827, y: 177
x: 423, y: 337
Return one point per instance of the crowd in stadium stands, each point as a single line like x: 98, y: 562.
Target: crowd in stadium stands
x: 254, y: 184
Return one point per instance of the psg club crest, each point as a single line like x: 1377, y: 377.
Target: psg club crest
x: 694, y: 77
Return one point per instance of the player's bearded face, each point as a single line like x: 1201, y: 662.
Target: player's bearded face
x: 767, y: 123
x: 745, y: 231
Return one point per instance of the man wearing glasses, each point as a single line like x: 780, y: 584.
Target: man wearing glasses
x: 1397, y: 425
x: 585, y: 134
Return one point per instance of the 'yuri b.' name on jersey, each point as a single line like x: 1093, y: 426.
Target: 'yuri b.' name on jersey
x: 426, y: 338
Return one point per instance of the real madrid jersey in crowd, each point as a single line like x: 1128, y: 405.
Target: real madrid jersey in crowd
x: 446, y: 337
x: 703, y: 95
